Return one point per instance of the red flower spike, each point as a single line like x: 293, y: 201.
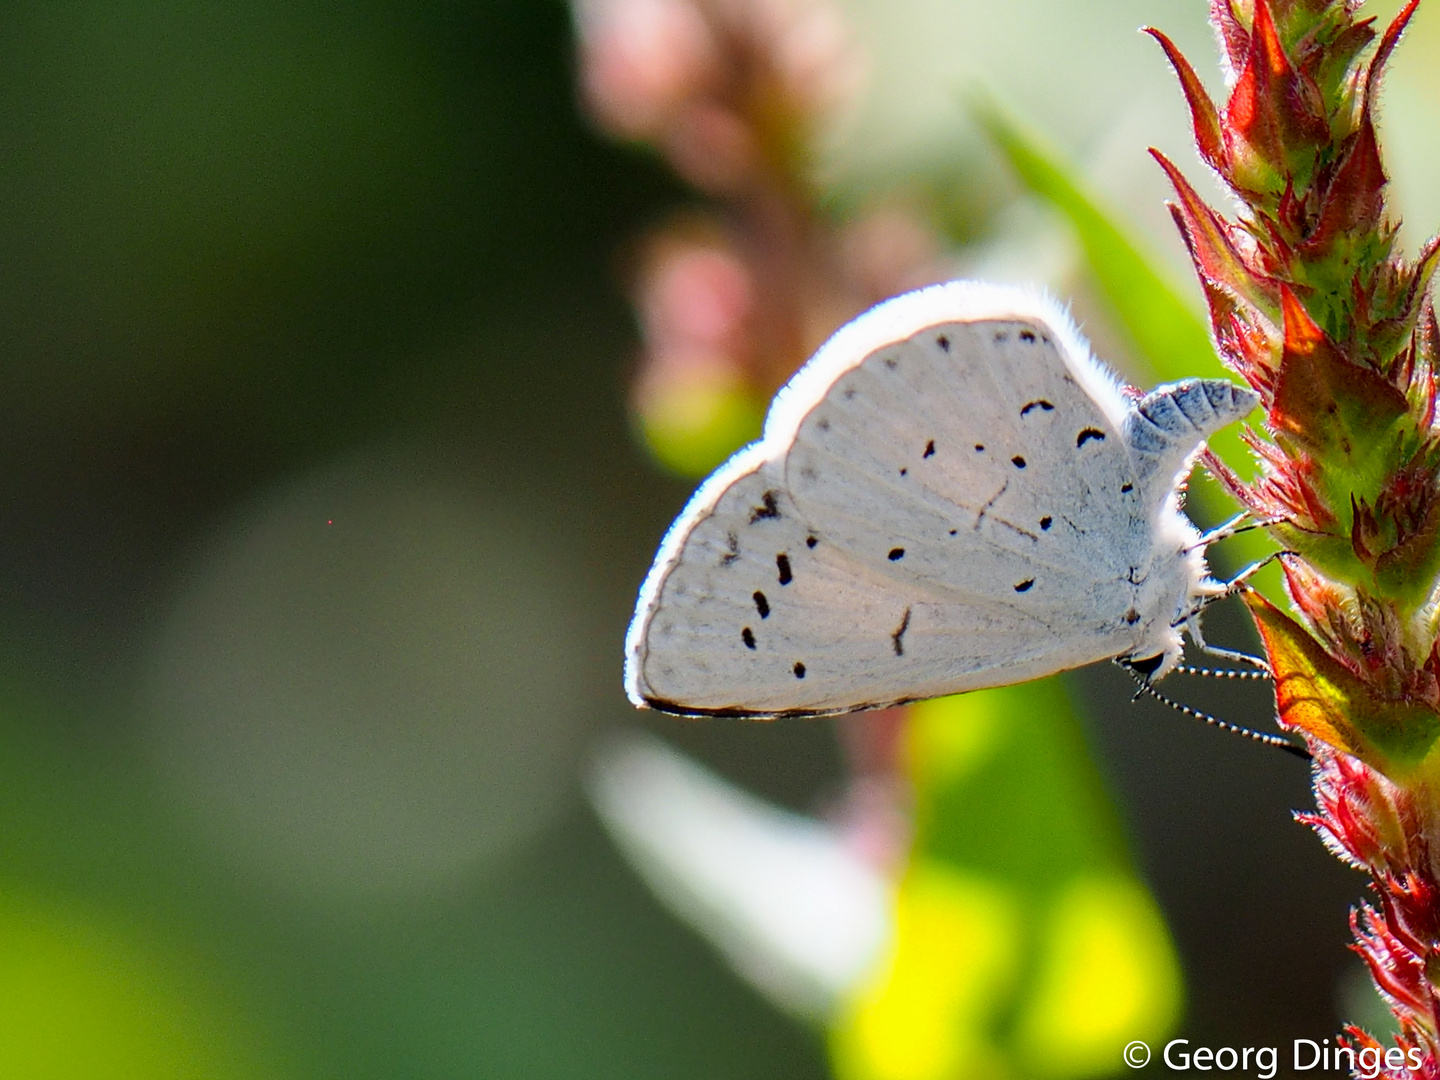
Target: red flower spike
x: 1233, y: 35
x: 1332, y: 702
x: 1323, y: 401
x: 1202, y: 110
x: 1293, y: 213
x: 1353, y: 200
x: 1365, y: 538
x: 1245, y: 494
x: 1212, y: 245
x: 1417, y: 292
x: 1316, y: 598
x: 1251, y: 131
x: 1351, y: 42
x: 1304, y: 699
x: 1428, y: 350
x: 1410, y: 505
x: 1273, y: 112
x: 1394, y: 976
x: 1360, y: 301
x: 1285, y: 492
x: 1388, y: 42
x: 1247, y: 341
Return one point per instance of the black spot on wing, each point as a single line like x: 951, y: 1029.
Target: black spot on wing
x: 1026, y: 585
x: 891, y: 362
x: 761, y: 604
x: 732, y: 549
x: 1027, y: 336
x: 1018, y: 461
x: 1132, y: 617
x: 811, y: 541
x: 904, y: 472
x: 943, y: 342
x: 782, y: 564
x: 1125, y: 489
x: 799, y: 670
x: 929, y: 449
x: 823, y: 423
x: 748, y: 636
x: 1046, y: 522
x: 979, y: 448
x: 1088, y: 434
x: 766, y: 509
x: 897, y: 637
x: 896, y: 554
x: 1038, y: 403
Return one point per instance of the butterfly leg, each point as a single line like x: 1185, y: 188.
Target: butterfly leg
x: 1233, y: 655
x: 1225, y: 531
x: 1239, y: 583
x: 1234, y: 527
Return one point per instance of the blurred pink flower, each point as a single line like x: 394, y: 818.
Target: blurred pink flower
x: 695, y: 294
x: 641, y: 60
x: 731, y: 91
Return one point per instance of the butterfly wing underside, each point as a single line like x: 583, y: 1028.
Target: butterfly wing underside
x: 953, y: 510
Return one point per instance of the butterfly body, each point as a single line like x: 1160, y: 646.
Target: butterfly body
x: 952, y: 494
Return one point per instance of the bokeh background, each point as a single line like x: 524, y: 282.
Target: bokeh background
x: 323, y: 508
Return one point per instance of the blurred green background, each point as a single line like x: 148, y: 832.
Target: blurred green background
x: 321, y: 522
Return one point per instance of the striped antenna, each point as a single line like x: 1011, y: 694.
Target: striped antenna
x: 1235, y: 729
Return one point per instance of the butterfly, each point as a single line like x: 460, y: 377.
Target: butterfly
x: 951, y: 494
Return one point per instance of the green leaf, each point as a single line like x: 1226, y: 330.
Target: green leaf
x: 1319, y: 696
x: 1168, y: 333
x: 1024, y: 944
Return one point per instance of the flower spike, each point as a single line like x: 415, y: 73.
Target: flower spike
x: 1311, y: 304
x: 1202, y: 110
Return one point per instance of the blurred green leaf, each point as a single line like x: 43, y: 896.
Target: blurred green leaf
x: 1167, y: 331
x: 690, y: 428
x: 1024, y: 943
x: 81, y: 998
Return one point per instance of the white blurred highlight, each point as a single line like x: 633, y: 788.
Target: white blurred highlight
x: 789, y: 904
x: 370, y: 683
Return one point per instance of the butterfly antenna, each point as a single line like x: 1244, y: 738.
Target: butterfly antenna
x: 1228, y: 673
x: 1235, y: 729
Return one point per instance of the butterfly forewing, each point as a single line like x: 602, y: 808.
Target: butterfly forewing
x: 966, y: 458
x: 940, y: 508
